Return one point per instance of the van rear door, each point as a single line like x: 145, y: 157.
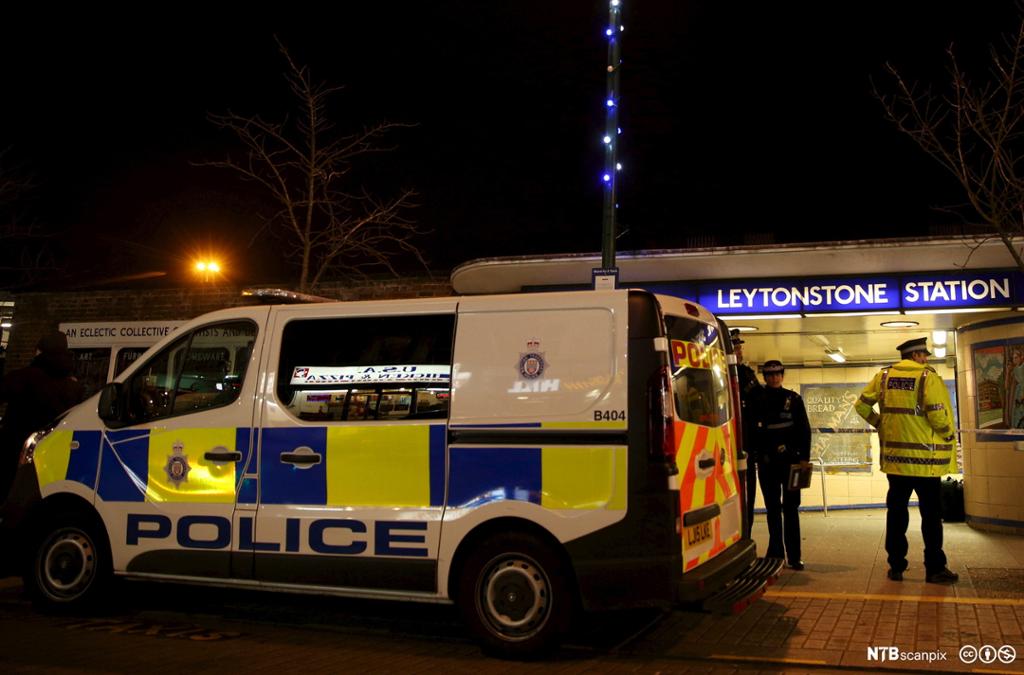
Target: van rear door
x: 705, y: 431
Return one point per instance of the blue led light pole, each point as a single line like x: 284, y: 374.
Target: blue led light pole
x: 611, y: 133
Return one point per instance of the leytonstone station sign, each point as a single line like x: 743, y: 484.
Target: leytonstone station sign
x: 936, y: 291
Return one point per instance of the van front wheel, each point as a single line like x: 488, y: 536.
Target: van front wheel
x: 69, y: 564
x: 514, y: 595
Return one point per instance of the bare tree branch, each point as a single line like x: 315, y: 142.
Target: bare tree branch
x: 330, y: 225
x: 25, y: 251
x: 975, y: 132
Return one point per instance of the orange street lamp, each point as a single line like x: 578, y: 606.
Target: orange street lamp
x: 208, y: 269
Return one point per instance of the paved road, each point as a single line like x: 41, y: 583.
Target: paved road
x: 154, y: 628
x: 825, y: 619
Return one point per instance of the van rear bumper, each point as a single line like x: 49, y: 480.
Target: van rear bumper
x: 745, y: 589
x: 727, y: 583
x: 716, y: 574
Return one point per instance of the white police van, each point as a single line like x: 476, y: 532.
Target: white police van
x: 522, y: 456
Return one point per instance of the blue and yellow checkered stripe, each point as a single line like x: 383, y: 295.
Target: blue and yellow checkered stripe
x: 557, y: 477
x: 387, y: 466
x: 382, y: 466
x: 68, y: 455
x: 134, y: 462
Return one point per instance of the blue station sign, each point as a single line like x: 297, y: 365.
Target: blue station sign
x: 940, y: 290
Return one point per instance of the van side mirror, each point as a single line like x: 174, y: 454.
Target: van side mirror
x: 112, y: 404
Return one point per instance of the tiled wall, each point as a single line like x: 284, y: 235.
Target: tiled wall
x: 993, y: 470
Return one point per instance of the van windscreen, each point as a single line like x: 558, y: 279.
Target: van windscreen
x: 700, y: 373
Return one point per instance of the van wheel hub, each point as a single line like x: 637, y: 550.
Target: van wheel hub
x: 68, y: 565
x: 516, y: 597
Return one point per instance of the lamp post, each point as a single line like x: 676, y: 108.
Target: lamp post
x: 611, y: 133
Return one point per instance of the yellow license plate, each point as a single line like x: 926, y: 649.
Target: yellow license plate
x: 697, y: 533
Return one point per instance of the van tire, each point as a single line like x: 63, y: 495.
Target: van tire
x: 514, y: 595
x: 69, y: 564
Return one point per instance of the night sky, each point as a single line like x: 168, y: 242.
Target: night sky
x: 738, y: 119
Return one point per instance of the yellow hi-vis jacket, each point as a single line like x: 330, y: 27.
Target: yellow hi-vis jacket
x: 915, y: 427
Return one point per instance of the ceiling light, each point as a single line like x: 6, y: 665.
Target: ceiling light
x: 836, y: 355
x: 817, y: 314
x: 755, y: 317
x: 744, y: 329
x: 967, y: 310
x: 898, y: 324
x: 821, y: 341
x: 939, y: 338
x: 940, y: 352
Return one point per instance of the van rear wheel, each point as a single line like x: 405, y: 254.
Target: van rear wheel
x: 69, y: 565
x: 514, y: 595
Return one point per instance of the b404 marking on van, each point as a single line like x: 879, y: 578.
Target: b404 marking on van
x: 388, y: 535
x: 609, y: 415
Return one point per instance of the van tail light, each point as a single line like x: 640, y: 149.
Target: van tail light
x: 662, y: 418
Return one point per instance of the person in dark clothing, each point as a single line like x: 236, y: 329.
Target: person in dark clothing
x: 783, y: 439
x: 750, y: 397
x: 35, y: 395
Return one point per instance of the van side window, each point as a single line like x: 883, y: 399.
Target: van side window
x: 202, y: 369
x: 366, y: 368
x: 126, y: 356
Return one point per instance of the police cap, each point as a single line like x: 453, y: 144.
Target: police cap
x: 734, y: 334
x: 911, y: 346
x: 773, y: 366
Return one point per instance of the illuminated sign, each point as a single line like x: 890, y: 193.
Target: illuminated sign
x: 370, y: 374
x: 816, y: 295
x: 965, y: 290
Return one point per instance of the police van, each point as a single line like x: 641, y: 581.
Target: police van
x: 523, y: 456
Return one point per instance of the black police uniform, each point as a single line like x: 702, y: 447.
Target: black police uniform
x: 750, y: 401
x: 784, y: 439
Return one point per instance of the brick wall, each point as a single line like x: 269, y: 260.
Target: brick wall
x: 37, y: 313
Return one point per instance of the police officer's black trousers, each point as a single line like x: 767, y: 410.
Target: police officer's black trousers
x: 897, y: 518
x: 783, y: 513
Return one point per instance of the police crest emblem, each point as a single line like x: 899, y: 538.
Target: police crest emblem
x: 177, y: 467
x: 531, y: 362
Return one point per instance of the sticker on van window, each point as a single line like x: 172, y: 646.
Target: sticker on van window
x: 370, y: 374
x: 690, y: 355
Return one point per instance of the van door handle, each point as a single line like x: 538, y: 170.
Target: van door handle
x: 222, y: 455
x: 706, y: 463
x: 303, y: 457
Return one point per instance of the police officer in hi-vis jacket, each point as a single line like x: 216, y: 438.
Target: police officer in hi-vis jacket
x: 783, y: 439
x: 918, y: 446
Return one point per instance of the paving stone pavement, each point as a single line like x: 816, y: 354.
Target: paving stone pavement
x: 842, y: 605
